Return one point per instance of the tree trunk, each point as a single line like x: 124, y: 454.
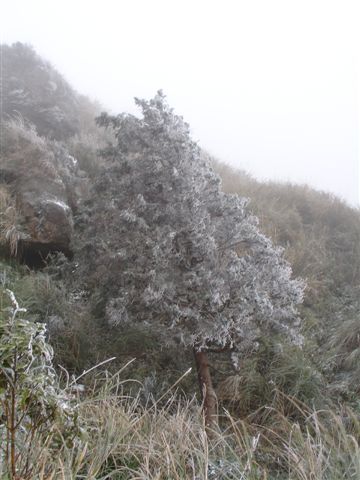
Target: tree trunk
x: 208, y: 394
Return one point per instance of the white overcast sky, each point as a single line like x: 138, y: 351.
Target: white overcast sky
x: 270, y: 86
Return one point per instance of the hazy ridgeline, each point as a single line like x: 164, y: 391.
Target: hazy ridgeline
x: 285, y: 412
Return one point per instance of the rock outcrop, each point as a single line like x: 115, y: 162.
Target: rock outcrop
x: 38, y: 195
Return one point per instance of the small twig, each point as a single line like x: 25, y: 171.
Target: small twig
x: 91, y: 369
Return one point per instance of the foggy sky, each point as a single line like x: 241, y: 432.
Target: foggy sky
x: 268, y: 86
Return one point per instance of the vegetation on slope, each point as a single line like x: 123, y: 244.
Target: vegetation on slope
x: 321, y: 237
x: 33, y: 88
x: 123, y: 437
x: 294, y: 413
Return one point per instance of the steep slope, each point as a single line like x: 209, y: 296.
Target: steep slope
x: 32, y: 88
x: 59, y: 159
x: 42, y: 120
x: 321, y: 237
x: 38, y: 188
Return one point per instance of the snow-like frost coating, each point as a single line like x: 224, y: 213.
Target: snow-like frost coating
x: 58, y: 203
x: 193, y: 262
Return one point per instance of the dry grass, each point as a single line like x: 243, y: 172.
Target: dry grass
x: 163, y: 440
x: 324, y: 446
x: 10, y: 230
x: 25, y: 153
x: 319, y: 231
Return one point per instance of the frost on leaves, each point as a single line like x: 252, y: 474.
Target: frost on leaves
x: 181, y: 255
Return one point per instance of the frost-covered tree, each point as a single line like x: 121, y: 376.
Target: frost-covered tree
x: 178, y: 254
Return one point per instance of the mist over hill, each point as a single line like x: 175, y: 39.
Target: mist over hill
x: 56, y: 167
x: 33, y: 89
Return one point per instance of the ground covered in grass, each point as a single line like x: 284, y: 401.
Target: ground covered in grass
x: 121, y: 438
x: 287, y: 413
x: 57, y: 426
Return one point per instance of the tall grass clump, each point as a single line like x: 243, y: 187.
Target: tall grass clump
x: 11, y: 230
x: 126, y: 437
x: 54, y: 427
x: 320, y: 445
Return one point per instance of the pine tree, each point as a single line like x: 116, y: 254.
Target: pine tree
x: 178, y: 254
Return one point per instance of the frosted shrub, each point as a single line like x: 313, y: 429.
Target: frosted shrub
x: 33, y: 409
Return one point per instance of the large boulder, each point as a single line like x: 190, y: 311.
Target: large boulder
x: 49, y: 226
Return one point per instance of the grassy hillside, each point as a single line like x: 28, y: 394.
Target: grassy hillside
x: 321, y: 237
x: 65, y: 430
x: 34, y: 89
x: 289, y: 413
